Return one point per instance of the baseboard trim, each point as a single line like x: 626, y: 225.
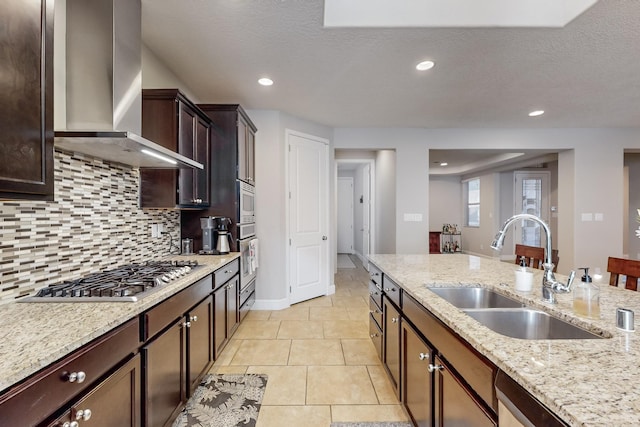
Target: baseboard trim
x: 271, y: 304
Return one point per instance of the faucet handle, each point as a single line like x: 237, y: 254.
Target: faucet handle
x: 572, y: 276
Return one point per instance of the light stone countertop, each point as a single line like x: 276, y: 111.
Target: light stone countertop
x: 592, y: 382
x: 34, y: 335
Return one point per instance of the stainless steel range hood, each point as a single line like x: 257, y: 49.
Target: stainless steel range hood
x: 103, y: 86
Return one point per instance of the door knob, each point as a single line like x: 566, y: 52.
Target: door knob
x: 324, y: 237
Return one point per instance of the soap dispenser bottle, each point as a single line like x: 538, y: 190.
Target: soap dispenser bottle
x: 524, y: 277
x: 586, y: 297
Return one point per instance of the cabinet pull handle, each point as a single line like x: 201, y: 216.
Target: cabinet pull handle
x: 83, y: 414
x: 394, y: 320
x: 423, y: 356
x: 70, y: 424
x: 373, y: 335
x: 390, y: 289
x: 186, y: 324
x: 433, y: 368
x: 76, y: 377
x: 193, y: 318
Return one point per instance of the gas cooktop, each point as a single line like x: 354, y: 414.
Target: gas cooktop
x: 128, y: 283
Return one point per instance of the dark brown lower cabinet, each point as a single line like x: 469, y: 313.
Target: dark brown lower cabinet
x: 455, y: 405
x: 199, y: 341
x: 113, y: 402
x: 164, y: 374
x: 391, y: 334
x: 226, y: 319
x: 417, y: 387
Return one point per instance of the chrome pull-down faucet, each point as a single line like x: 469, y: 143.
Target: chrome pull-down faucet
x: 550, y: 286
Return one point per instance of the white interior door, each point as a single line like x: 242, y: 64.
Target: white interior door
x: 308, y: 217
x: 532, y: 197
x: 345, y: 215
x: 366, y: 211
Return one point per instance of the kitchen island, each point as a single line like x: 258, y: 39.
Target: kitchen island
x: 35, y: 336
x: 592, y: 382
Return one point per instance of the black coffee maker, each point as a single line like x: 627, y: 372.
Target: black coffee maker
x: 222, y: 235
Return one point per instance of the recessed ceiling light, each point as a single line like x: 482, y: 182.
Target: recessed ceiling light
x: 265, y: 81
x: 443, y: 163
x: 425, y: 65
x: 536, y: 113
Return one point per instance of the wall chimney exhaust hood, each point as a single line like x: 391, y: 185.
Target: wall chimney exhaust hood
x: 103, y: 85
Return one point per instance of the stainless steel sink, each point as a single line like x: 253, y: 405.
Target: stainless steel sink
x: 475, y: 297
x: 529, y: 324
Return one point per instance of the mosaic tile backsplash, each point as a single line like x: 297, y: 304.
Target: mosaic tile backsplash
x: 93, y: 224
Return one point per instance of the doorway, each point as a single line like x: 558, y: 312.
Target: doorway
x: 345, y: 215
x: 361, y: 171
x: 531, y: 197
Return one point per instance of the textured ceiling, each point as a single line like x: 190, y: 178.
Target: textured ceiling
x: 586, y: 74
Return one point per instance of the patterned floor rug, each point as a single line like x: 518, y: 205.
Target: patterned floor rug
x: 224, y: 401
x: 381, y: 424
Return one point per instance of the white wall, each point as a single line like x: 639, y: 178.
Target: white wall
x: 445, y: 201
x: 590, y: 178
x: 271, y: 189
x: 385, y: 205
x: 157, y: 75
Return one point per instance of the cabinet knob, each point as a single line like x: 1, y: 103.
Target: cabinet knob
x: 186, y: 324
x: 373, y: 335
x: 433, y: 368
x: 423, y: 356
x: 390, y: 289
x: 76, y: 377
x: 70, y: 424
x: 83, y: 414
x: 193, y: 318
x: 231, y: 285
x: 394, y: 320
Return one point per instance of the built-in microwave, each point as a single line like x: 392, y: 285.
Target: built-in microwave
x: 246, y: 205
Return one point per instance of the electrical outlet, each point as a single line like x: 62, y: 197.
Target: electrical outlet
x: 160, y: 229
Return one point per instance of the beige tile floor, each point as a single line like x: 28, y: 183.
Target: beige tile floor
x: 321, y: 364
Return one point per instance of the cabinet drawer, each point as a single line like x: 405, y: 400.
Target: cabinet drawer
x: 222, y: 275
x: 392, y: 291
x: 39, y: 396
x: 246, y: 305
x: 375, y: 292
x: 375, y: 333
x: 478, y: 372
x: 375, y: 274
x: 246, y: 291
x: 376, y: 312
x: 160, y: 316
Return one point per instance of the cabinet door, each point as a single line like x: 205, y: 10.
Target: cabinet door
x: 202, y: 149
x: 200, y: 341
x: 454, y: 403
x: 417, y: 383
x: 251, y: 156
x: 164, y: 374
x: 219, y: 319
x: 391, y: 333
x: 186, y: 139
x: 113, y: 402
x: 26, y: 110
x: 233, y: 294
x: 242, y: 149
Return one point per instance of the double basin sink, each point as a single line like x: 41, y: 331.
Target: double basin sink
x: 509, y: 317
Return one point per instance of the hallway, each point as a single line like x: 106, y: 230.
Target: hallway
x: 321, y: 364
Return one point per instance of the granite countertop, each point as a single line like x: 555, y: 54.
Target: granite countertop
x: 585, y: 382
x: 34, y: 335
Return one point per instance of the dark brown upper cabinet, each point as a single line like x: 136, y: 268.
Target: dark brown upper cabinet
x: 171, y: 120
x: 26, y: 110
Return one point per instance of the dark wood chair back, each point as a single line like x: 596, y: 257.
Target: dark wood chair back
x: 533, y: 255
x: 627, y: 267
